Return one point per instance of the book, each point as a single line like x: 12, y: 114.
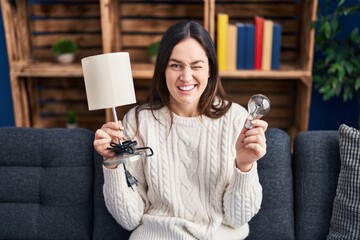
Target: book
x: 232, y: 47
x: 259, y: 24
x: 222, y: 40
x: 276, y: 46
x: 241, y: 54
x: 267, y: 45
x: 249, y: 45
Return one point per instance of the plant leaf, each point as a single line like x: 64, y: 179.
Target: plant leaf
x: 354, y: 36
x: 357, y: 84
x: 341, y: 2
x: 326, y: 29
x: 348, y: 67
x: 347, y: 94
x: 341, y: 72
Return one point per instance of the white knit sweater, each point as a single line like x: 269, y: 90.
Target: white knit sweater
x: 190, y: 188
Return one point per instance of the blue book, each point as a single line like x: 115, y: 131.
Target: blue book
x: 276, y: 46
x: 240, y: 55
x: 250, y: 45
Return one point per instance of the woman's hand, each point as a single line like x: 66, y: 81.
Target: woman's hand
x: 109, y: 132
x: 251, y: 145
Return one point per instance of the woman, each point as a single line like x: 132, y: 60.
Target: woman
x: 202, y: 181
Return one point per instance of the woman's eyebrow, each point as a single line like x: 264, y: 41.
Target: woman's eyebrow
x: 197, y: 61
x: 174, y: 60
x: 192, y: 63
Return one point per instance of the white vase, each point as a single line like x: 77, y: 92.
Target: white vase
x: 65, y: 58
x: 71, y: 125
x: 153, y: 59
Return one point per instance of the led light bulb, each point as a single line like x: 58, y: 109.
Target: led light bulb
x: 258, y: 106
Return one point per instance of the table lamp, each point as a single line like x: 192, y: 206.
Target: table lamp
x: 108, y: 84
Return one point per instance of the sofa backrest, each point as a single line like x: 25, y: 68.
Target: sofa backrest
x: 275, y: 219
x: 46, y: 179
x: 316, y: 171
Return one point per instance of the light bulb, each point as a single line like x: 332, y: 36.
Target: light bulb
x: 258, y: 106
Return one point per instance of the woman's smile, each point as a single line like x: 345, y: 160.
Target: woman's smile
x: 186, y: 88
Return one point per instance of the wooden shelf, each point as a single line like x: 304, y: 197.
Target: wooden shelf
x: 52, y: 69
x: 277, y: 74
x: 46, y: 69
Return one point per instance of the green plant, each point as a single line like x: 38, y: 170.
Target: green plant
x: 63, y: 46
x: 71, y: 116
x: 338, y: 71
x: 153, y: 49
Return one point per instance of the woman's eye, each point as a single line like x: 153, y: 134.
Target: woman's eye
x: 197, y: 67
x: 175, y: 66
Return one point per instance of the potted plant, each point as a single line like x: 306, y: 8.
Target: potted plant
x: 152, y: 51
x: 338, y: 73
x: 65, y: 50
x: 71, y: 119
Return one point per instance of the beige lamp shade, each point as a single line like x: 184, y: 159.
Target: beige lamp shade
x: 108, y: 80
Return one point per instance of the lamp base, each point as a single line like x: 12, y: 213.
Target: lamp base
x: 124, y: 158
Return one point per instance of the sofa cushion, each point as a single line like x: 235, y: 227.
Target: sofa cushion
x: 46, y: 183
x: 316, y: 169
x: 275, y: 219
x: 345, y: 220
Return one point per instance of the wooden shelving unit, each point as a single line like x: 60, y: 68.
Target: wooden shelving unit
x: 289, y: 88
x: 110, y: 25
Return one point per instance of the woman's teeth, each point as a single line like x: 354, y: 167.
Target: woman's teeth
x: 186, y: 88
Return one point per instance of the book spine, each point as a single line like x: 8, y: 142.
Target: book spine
x: 250, y: 43
x: 222, y: 40
x: 267, y: 45
x: 241, y: 55
x: 276, y: 47
x: 259, y: 24
x: 232, y: 47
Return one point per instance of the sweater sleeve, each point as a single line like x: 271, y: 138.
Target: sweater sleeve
x: 242, y: 198
x: 126, y: 205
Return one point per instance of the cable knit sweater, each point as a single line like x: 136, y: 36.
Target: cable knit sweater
x: 190, y: 188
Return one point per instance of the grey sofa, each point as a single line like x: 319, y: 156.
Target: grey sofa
x: 51, y: 186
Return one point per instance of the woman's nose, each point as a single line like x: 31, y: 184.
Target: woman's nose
x: 186, y: 75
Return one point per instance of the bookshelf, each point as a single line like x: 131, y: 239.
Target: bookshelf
x: 111, y: 25
x: 294, y: 78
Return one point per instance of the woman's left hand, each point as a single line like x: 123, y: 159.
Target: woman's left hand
x: 251, y: 145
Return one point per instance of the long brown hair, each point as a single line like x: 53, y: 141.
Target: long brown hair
x: 214, y: 102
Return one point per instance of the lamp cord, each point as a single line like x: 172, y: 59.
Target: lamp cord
x: 128, y: 147
x: 124, y: 147
x: 130, y: 179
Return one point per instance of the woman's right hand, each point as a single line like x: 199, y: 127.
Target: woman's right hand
x: 109, y: 132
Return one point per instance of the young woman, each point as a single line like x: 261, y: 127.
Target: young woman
x: 202, y: 181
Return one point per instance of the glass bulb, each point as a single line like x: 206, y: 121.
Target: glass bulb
x: 258, y: 106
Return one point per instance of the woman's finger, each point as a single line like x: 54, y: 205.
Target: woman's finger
x: 114, y: 130
x: 259, y: 139
x: 258, y: 123
x: 258, y: 150
x: 102, y: 141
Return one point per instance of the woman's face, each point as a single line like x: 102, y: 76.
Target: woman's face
x: 187, y: 74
